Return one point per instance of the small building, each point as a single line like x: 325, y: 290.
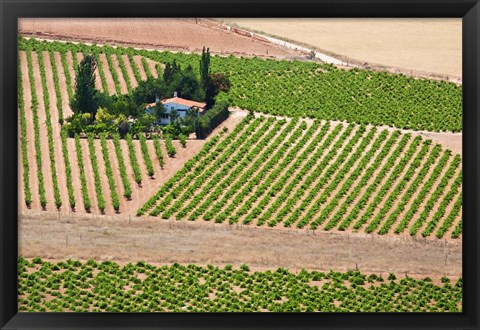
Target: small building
x: 178, y: 104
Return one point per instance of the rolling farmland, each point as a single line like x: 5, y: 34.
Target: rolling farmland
x: 326, y: 189
x: 304, y: 173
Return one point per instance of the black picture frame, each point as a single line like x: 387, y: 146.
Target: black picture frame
x: 469, y: 10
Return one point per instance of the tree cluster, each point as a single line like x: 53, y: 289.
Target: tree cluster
x: 97, y: 112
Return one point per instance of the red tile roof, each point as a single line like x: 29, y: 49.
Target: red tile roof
x: 179, y: 100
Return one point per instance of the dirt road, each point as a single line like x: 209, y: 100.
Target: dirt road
x: 153, y: 240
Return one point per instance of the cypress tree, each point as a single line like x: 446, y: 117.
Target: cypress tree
x: 85, y: 100
x: 205, y: 67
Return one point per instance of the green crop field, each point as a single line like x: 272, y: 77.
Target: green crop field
x: 273, y: 172
x: 140, y: 287
x: 306, y: 89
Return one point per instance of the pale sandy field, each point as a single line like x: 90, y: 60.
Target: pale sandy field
x: 432, y: 45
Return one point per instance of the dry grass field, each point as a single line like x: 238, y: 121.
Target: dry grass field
x: 165, y: 242
x: 430, y: 45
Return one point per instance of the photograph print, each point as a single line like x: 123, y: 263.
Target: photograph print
x: 240, y: 165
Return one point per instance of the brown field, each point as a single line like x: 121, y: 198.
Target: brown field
x: 187, y: 35
x: 123, y: 239
x: 429, y: 45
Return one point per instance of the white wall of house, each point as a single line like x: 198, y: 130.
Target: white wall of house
x: 180, y: 108
x: 169, y: 107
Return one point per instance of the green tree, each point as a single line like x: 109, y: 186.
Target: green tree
x: 174, y: 115
x: 217, y: 82
x: 77, y: 123
x: 204, y: 67
x: 144, y: 123
x: 123, y: 129
x: 85, y: 98
x: 147, y: 91
x: 159, y: 111
x: 188, y: 85
x: 171, y: 72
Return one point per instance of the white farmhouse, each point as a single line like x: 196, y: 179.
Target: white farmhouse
x: 181, y: 106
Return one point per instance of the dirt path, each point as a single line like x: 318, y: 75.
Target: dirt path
x: 153, y: 69
x: 124, y: 239
x: 103, y: 178
x: 147, y: 181
x: 116, y: 176
x: 76, y: 182
x: 71, y: 69
x: 87, y: 163
x: 133, y: 81
x: 62, y: 81
x: 21, y: 186
x: 138, y: 62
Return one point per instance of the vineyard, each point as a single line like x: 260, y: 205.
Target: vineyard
x: 294, y: 89
x: 67, y: 174
x: 318, y: 176
x: 310, y: 174
x: 108, y: 287
x: 319, y: 149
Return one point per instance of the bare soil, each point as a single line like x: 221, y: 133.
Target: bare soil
x: 63, y: 85
x: 138, y: 62
x: 125, y: 239
x: 133, y: 81
x: 108, y: 75
x: 153, y: 69
x: 187, y: 35
x: 121, y: 79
